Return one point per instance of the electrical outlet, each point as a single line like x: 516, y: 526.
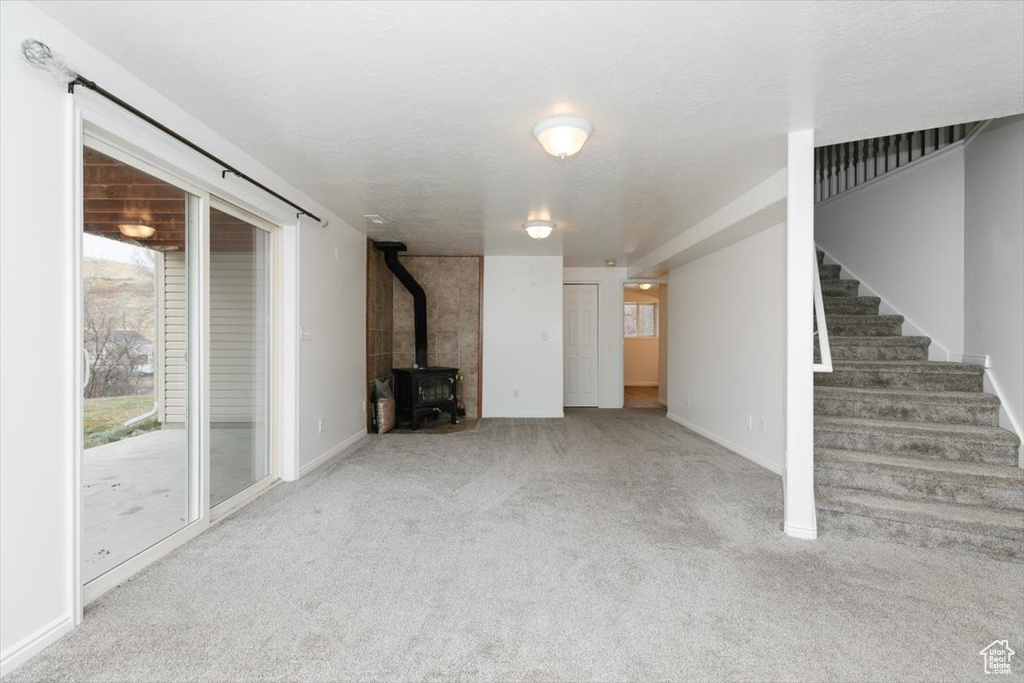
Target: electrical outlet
x: 515, y: 393
x: 364, y: 406
x: 320, y: 425
x: 687, y: 400
x: 545, y: 336
x: 764, y: 425
x: 750, y: 423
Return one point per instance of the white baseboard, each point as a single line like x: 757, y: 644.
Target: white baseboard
x: 725, y: 443
x: 330, y: 453
x: 1007, y: 420
x: 641, y: 384
x: 800, y: 532
x: 968, y: 359
x: 21, y: 652
x: 936, y: 351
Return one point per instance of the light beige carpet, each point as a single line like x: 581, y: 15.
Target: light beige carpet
x: 611, y: 545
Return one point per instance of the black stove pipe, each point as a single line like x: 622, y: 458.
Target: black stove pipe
x: 419, y: 297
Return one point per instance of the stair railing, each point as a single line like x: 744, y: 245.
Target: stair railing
x: 821, y: 331
x: 846, y: 165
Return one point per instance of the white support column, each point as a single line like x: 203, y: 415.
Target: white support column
x: 800, y: 515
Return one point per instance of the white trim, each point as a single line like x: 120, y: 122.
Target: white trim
x: 725, y: 443
x: 977, y: 131
x: 28, y: 647
x: 1007, y: 420
x: 936, y: 351
x: 76, y: 222
x: 133, y: 565
x: 970, y: 359
x: 640, y: 384
x: 289, y: 333
x: 331, y: 452
x: 800, y: 532
x: 888, y: 175
x: 239, y: 500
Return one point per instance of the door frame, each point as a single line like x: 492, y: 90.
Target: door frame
x: 273, y: 477
x: 149, y: 150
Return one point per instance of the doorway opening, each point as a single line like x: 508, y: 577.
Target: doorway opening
x: 643, y: 345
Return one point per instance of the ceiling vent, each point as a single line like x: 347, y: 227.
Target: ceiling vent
x: 375, y: 219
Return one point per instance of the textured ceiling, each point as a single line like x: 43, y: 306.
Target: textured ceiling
x: 422, y: 112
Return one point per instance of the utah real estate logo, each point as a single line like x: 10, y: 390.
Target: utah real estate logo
x: 997, y: 657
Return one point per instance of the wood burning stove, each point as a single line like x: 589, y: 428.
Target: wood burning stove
x: 420, y: 391
x: 424, y: 392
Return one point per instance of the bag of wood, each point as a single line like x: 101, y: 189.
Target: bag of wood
x: 385, y: 405
x: 385, y: 415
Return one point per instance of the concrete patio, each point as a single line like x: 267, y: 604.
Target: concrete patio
x: 136, y: 490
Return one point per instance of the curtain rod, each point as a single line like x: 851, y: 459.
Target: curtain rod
x: 39, y: 54
x: 228, y: 168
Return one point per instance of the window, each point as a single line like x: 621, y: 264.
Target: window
x: 639, y: 320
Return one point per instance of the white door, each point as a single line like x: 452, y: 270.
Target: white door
x: 580, y: 345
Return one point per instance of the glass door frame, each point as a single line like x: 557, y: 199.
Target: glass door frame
x: 273, y: 476
x: 201, y: 515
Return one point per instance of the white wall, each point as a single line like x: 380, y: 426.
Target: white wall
x: 522, y: 343
x: 726, y: 346
x: 994, y: 259
x: 640, y: 356
x: 37, y: 239
x: 903, y: 237
x: 332, y: 362
x: 609, y: 325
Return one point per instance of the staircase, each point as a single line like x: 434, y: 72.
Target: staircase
x: 905, y: 448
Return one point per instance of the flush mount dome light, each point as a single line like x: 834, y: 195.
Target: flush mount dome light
x: 136, y: 230
x: 538, y: 230
x: 562, y: 136
x: 645, y: 286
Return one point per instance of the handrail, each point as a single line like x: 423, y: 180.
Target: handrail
x: 846, y: 165
x: 825, y: 365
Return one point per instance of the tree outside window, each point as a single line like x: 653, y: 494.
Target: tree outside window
x: 639, y: 320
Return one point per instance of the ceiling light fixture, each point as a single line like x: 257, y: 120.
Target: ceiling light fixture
x: 136, y: 230
x: 563, y: 136
x: 610, y: 263
x: 645, y: 286
x: 538, y: 230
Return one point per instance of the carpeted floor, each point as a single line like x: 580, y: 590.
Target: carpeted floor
x: 611, y: 545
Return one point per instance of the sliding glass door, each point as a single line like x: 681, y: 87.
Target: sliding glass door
x: 177, y: 321
x: 240, y: 347
x: 139, y: 479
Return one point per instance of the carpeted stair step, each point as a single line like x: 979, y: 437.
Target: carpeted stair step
x: 879, y: 348
x: 996, y: 533
x: 829, y: 271
x: 850, y: 305
x: 840, y: 287
x: 940, y: 407
x: 864, y: 325
x: 963, y: 483
x: 911, y: 374
x: 962, y: 443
